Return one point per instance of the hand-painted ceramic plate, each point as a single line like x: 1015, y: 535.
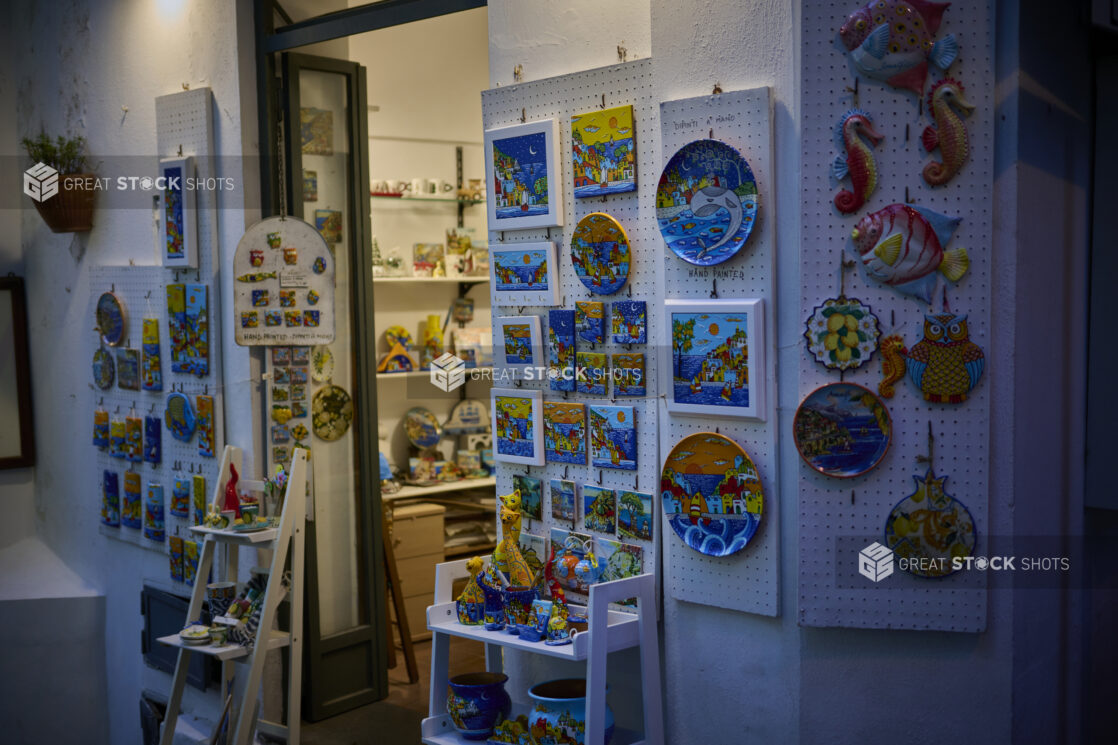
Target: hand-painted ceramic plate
x: 104, y: 370
x: 322, y: 364
x: 601, y: 253
x: 711, y: 494
x: 422, y: 427
x: 179, y: 416
x: 331, y: 412
x: 842, y: 430
x: 706, y: 203
x: 932, y: 526
x: 250, y: 528
x: 110, y: 319
x: 842, y: 333
x: 397, y: 335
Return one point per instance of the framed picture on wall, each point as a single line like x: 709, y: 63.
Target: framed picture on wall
x: 524, y: 274
x: 178, y: 228
x: 715, y: 358
x: 523, y: 172
x: 17, y: 439
x: 519, y: 344
x: 518, y: 426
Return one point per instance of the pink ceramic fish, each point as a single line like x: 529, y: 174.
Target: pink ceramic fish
x: 949, y: 134
x: 858, y: 162
x: 893, y: 41
x: 902, y: 246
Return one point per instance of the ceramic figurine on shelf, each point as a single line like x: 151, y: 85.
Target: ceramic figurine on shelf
x: 588, y: 569
x: 950, y: 132
x: 507, y: 556
x: 945, y: 365
x: 471, y: 603
x: 558, y: 631
x: 892, y: 364
x: 492, y: 584
x: 232, y: 502
x: 894, y: 40
x: 553, y: 587
x: 857, y: 162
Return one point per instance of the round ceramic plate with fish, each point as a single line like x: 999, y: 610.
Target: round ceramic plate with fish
x: 706, y: 202
x: 842, y: 430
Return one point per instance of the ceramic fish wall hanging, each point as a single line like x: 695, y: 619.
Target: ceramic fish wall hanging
x: 892, y: 364
x: 902, y: 246
x: 945, y: 365
x: 853, y: 131
x: 893, y: 41
x: 949, y: 133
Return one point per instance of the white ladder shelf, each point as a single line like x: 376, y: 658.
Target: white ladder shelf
x: 607, y: 631
x: 289, y: 534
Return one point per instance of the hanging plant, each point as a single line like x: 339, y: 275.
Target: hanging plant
x: 70, y: 209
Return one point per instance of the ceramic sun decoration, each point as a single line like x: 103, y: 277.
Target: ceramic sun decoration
x: 522, y: 169
x: 517, y: 425
x: 524, y: 274
x: 613, y: 437
x: 945, y: 365
x: 842, y: 333
x: 601, y: 253
x: 590, y: 321
x: 930, y: 528
x: 564, y: 432
x: 603, y: 152
x: 634, y: 515
x: 842, y: 430
x: 855, y: 135
x: 599, y: 509
x: 706, y: 202
x: 894, y: 40
x: 893, y: 355
x: 949, y: 133
x: 711, y: 494
x: 507, y: 556
x: 531, y: 495
x: 903, y: 246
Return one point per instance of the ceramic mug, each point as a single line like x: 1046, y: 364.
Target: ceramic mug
x: 219, y: 634
x: 220, y: 595
x: 249, y: 513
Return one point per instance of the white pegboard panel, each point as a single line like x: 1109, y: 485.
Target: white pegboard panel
x: 750, y: 579
x: 560, y: 98
x: 184, y: 122
x: 832, y: 509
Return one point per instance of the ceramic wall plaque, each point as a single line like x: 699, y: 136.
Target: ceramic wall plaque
x: 112, y: 322
x: 601, y: 253
x: 629, y: 322
x: 711, y: 494
x: 153, y: 514
x: 128, y: 369
x: 151, y: 369
x: 518, y: 425
x: 153, y: 439
x: 524, y: 274
x: 590, y: 321
x: 198, y: 497
x: 930, y: 527
x: 948, y: 105
x: 603, y: 152
x: 116, y: 438
x: 531, y: 495
x: 179, y: 416
x: 206, y: 426
x: 519, y: 344
x: 110, y: 499
x: 131, y: 511
x: 842, y: 333
x: 563, y: 500
x: 422, y: 427
x: 627, y: 371
x: 842, y: 430
x: 592, y: 373
x: 101, y: 429
x: 180, y: 498
x: 328, y: 223
x: 599, y: 509
x: 634, y: 515
x: 561, y: 350
x: 197, y: 319
x: 522, y: 169
x: 178, y: 226
x: 134, y: 439
x: 706, y: 202
x: 316, y: 130
x: 564, y: 431
x: 331, y: 413
x: 104, y: 369
x: 945, y: 364
x: 613, y: 437
x: 175, y: 549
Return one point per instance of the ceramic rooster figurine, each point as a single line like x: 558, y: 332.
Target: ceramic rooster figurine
x: 949, y: 133
x: 507, y: 555
x: 858, y: 162
x: 892, y: 364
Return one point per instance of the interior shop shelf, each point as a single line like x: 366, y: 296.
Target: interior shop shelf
x: 427, y: 373
x: 439, y: 730
x: 402, y: 198
x: 622, y: 633
x: 469, y: 279
x: 276, y: 639
x: 259, y: 536
x: 407, y: 492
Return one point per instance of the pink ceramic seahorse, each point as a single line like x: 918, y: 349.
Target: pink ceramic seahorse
x: 950, y: 132
x: 858, y: 162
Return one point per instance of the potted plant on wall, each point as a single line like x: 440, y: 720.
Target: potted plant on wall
x: 70, y: 210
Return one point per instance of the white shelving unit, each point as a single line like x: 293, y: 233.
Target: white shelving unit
x: 411, y: 492
x: 608, y: 631
x: 427, y: 373
x: 289, y: 534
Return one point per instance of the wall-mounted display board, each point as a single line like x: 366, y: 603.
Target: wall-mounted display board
x: 839, y: 518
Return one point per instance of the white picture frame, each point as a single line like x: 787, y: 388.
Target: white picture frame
x: 177, y: 212
x: 508, y: 408
x: 711, y: 384
x: 509, y: 204
x: 513, y: 351
x: 508, y: 286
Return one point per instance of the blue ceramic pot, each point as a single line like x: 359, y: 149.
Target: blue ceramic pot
x: 476, y: 702
x: 560, y: 712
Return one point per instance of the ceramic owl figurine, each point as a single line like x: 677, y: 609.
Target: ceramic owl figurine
x: 945, y: 365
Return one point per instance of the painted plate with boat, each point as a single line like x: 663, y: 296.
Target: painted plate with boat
x: 424, y: 430
x: 711, y: 494
x: 111, y: 321
x: 842, y: 430
x: 601, y: 253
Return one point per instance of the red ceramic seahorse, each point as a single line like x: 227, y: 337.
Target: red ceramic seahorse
x: 858, y: 162
x: 950, y: 132
x: 892, y: 364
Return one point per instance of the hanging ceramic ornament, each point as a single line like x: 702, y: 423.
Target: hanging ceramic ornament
x: 945, y: 365
x: 949, y: 133
x: 422, y: 427
x: 198, y: 497
x: 190, y: 555
x: 206, y: 426
x: 930, y: 528
x: 894, y: 40
x: 468, y: 416
x: 561, y: 349
x: 322, y: 364
x: 131, y: 512
x: 179, y: 416
x: 842, y: 430
x: 903, y: 246
x: 110, y: 499
x: 601, y: 254
x: 128, y: 369
x: 116, y: 438
x: 111, y: 319
x: 331, y: 413
x: 101, y: 429
x: 104, y: 370
x: 175, y: 547
x: 151, y: 371
x: 153, y: 514
x: 180, y: 498
x: 706, y: 202
x: 856, y: 162
x: 629, y: 321
x: 711, y: 493
x: 153, y: 439
x: 842, y: 333
x: 134, y: 439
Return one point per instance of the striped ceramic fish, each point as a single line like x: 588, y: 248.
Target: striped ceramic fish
x: 893, y: 41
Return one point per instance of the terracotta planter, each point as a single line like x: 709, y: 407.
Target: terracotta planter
x: 71, y: 209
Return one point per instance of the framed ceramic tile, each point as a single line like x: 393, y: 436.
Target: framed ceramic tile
x: 627, y: 372
x: 563, y: 500
x: 564, y: 432
x: 561, y: 350
x: 634, y: 515
x: 178, y: 229
x: 613, y: 437
x: 518, y: 420
x: 523, y: 170
x: 524, y: 274
x: 531, y: 495
x: 592, y: 373
x: 603, y: 152
x: 716, y: 363
x: 599, y: 509
x: 590, y: 321
x: 629, y: 322
x: 518, y: 342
